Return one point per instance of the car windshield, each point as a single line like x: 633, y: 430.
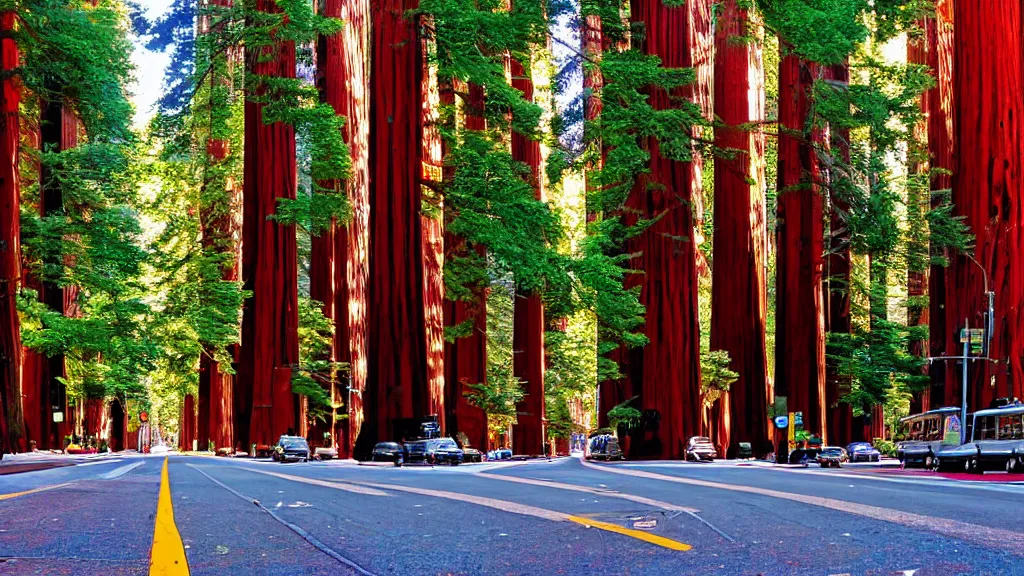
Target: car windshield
x: 294, y: 444
x: 860, y: 446
x: 447, y: 445
x: 832, y: 452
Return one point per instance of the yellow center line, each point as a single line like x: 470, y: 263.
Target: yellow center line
x: 167, y: 557
x: 638, y: 534
x: 595, y: 491
x: 33, y: 491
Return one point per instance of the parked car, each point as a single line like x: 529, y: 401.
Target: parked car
x: 700, y: 448
x: 291, y: 449
x: 472, y: 455
x: 803, y: 456
x: 605, y: 447
x: 415, y: 451
x: 444, y: 451
x: 388, y: 452
x: 325, y: 453
x: 831, y: 456
x: 500, y: 454
x: 863, y: 452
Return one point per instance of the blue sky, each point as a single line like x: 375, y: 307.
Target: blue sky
x: 149, y: 69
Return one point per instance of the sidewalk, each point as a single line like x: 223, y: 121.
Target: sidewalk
x: 45, y: 459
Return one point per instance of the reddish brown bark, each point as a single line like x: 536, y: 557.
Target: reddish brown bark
x: 214, y: 402
x: 338, y: 261
x: 917, y: 200
x: 987, y: 184
x: 667, y: 370
x: 465, y: 359
x: 398, y: 384
x: 799, y: 318
x: 186, y: 424
x: 738, y: 298
x: 528, y: 311
x: 837, y: 289
x: 12, y: 422
x: 939, y: 35
x: 263, y: 396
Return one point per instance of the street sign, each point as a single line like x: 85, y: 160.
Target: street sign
x: 782, y: 421
x: 798, y: 419
x: 58, y: 417
x: 976, y: 338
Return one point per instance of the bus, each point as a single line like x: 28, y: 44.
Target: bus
x: 996, y: 442
x: 924, y: 435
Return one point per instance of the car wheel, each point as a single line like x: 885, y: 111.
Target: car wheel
x: 1011, y: 465
x: 928, y: 462
x: 398, y: 463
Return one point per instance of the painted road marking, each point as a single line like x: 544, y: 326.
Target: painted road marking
x: 503, y: 505
x: 33, y: 491
x: 321, y: 483
x: 118, y: 472
x: 601, y: 492
x: 638, y: 534
x: 527, y: 510
x: 167, y: 557
x: 989, y: 537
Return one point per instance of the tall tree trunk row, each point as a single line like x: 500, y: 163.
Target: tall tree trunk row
x: 739, y: 301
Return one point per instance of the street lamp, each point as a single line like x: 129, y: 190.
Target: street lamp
x: 965, y: 336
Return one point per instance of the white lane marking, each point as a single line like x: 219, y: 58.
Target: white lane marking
x: 919, y: 481
x: 118, y: 472
x: 97, y: 462
x: 997, y: 538
x: 575, y: 488
x: 321, y: 483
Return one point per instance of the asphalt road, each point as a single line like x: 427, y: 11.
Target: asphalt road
x: 560, y: 517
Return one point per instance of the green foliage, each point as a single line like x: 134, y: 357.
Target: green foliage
x: 624, y: 415
x: 498, y: 395
x: 716, y: 376
x: 316, y: 373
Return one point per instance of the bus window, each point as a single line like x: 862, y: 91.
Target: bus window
x: 916, y: 430
x: 985, y: 428
x: 1010, y: 427
x: 934, y: 429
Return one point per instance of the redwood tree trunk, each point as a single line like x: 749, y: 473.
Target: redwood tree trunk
x: 264, y: 398
x: 667, y: 370
x: 528, y: 311
x: 837, y: 297
x: 214, y: 402
x: 939, y: 35
x: 799, y: 319
x: 987, y: 190
x: 917, y: 199
x: 398, y: 385
x: 738, y: 298
x: 12, y: 423
x: 465, y: 359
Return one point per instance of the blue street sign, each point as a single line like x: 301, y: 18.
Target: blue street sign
x: 781, y: 421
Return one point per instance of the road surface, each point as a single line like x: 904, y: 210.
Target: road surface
x: 221, y: 516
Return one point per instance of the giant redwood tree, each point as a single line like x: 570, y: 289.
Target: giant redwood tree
x: 738, y: 298
x: 988, y: 101
x: 11, y: 420
x: 799, y: 321
x: 528, y: 310
x: 338, y: 262
x: 666, y: 372
x: 265, y: 406
x: 397, y: 371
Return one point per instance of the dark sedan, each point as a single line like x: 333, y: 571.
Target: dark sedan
x: 444, y: 451
x: 291, y: 449
x: 388, y: 452
x: 831, y: 456
x: 863, y: 452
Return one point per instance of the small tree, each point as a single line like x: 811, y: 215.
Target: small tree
x: 716, y: 377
